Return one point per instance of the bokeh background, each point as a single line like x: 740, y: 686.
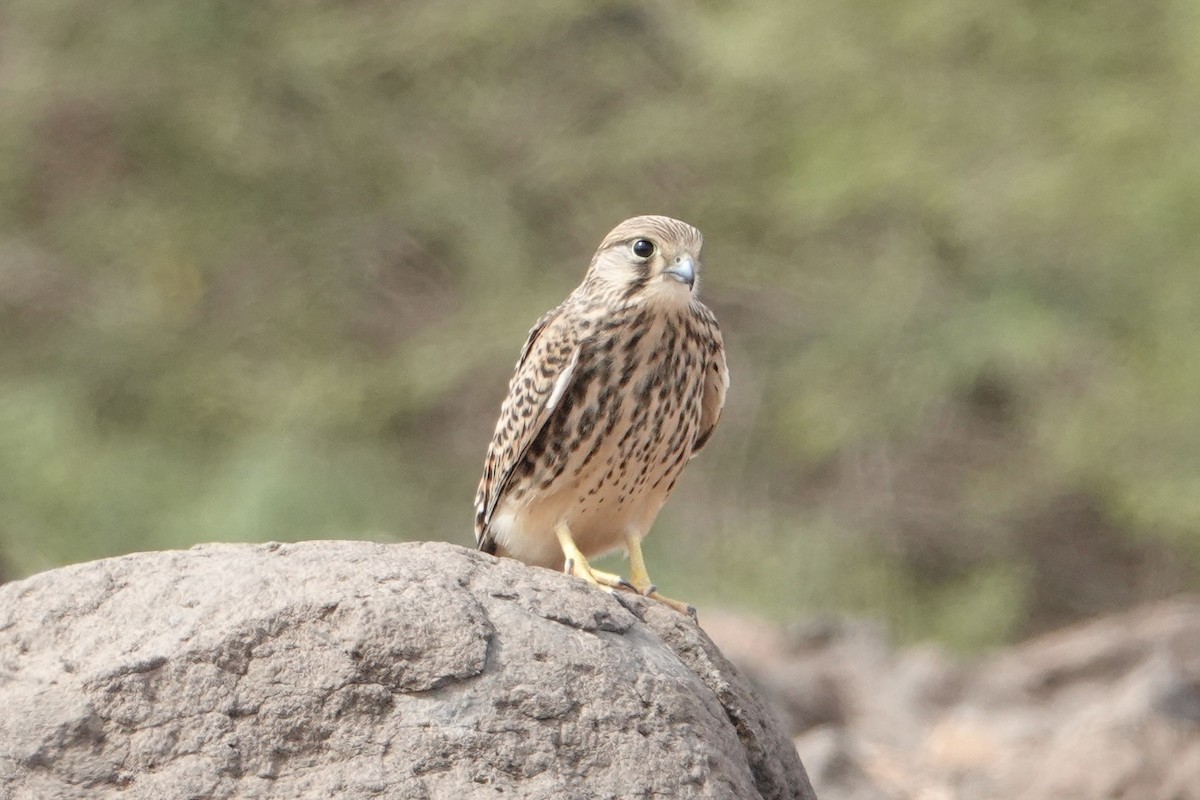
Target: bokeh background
x: 265, y: 268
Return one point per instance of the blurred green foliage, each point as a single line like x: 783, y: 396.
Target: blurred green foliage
x: 265, y: 267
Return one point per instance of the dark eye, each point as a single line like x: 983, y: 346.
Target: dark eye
x: 643, y: 248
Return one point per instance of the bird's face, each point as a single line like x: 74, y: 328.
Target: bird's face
x: 656, y: 257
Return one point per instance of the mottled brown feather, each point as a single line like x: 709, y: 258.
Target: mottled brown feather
x: 532, y: 384
x: 716, y: 381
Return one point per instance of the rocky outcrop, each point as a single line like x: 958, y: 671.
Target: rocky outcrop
x: 1107, y: 708
x: 358, y: 670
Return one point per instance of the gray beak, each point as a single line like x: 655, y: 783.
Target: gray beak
x: 683, y: 270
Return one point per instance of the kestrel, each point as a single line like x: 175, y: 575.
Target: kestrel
x: 614, y: 391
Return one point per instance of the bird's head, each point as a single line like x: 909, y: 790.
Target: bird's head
x: 655, y: 257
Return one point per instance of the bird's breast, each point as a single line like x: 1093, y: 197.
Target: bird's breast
x: 621, y: 434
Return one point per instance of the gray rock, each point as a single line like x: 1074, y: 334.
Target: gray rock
x: 358, y: 670
x: 1108, y: 708
x: 835, y: 759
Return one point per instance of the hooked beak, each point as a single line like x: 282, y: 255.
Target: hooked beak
x: 683, y: 270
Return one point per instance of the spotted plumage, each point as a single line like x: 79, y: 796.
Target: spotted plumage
x: 614, y: 391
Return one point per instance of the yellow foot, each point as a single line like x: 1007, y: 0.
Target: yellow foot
x: 641, y: 583
x: 576, y: 564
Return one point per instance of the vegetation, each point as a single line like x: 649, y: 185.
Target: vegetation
x: 265, y: 267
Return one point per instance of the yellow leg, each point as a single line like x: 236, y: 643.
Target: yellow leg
x: 576, y: 563
x: 638, y: 575
x: 641, y: 579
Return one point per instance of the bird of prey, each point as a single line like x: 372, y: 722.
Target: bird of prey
x: 614, y: 391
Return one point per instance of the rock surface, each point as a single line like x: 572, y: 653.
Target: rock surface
x: 357, y: 670
x: 1108, y: 708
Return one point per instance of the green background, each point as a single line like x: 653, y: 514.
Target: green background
x: 265, y: 268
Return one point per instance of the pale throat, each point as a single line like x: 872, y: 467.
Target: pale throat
x: 667, y: 294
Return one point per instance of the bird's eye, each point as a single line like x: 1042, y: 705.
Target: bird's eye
x: 643, y: 248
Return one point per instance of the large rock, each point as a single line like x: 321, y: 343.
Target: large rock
x: 358, y: 670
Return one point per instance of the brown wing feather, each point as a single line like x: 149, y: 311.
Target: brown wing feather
x: 716, y: 382
x: 544, y: 370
